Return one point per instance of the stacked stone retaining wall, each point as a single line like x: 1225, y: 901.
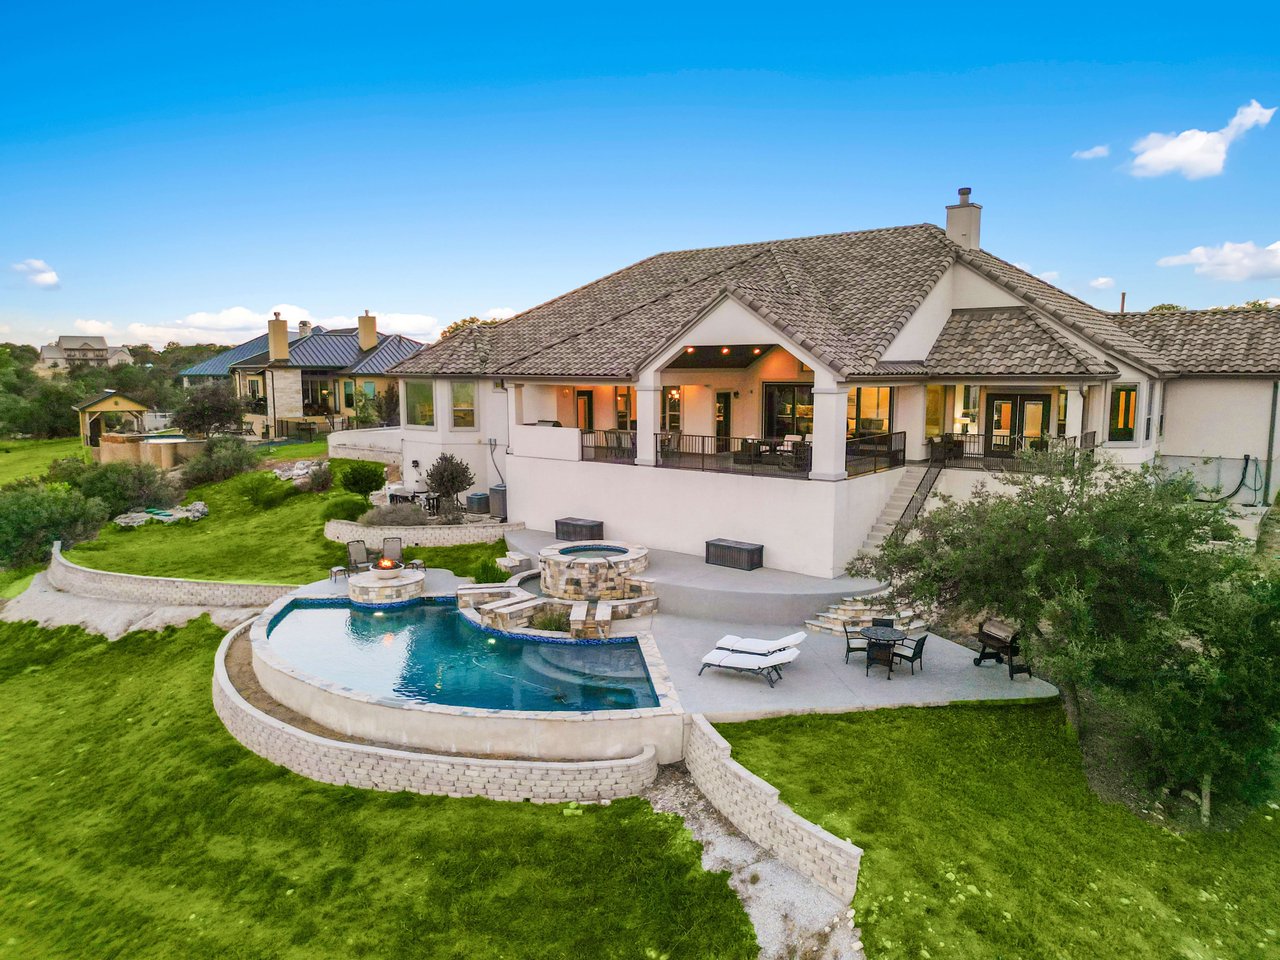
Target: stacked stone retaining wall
x: 388, y: 769
x: 158, y: 591
x: 752, y: 805
x: 343, y: 531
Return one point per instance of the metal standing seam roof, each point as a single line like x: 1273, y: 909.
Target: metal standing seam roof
x: 339, y: 350
x: 219, y: 365
x: 1222, y: 341
x: 385, y: 355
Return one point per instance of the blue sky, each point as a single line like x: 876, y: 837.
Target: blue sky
x: 168, y: 173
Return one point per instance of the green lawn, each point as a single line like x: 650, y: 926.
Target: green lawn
x: 30, y: 458
x: 132, y: 825
x: 983, y: 840
x: 14, y: 581
x: 242, y: 542
x: 295, y: 451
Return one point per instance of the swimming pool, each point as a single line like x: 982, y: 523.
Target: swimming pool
x: 428, y: 653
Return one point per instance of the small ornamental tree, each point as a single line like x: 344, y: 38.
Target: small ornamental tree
x: 208, y: 409
x: 449, y: 476
x: 362, y: 477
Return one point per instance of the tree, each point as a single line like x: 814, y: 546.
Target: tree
x: 32, y: 516
x: 362, y: 477
x: 449, y: 476
x: 389, y: 405
x: 1113, y: 576
x: 209, y: 409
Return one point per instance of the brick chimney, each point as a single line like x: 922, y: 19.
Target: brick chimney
x: 368, y: 330
x: 964, y: 220
x: 304, y: 328
x: 277, y: 340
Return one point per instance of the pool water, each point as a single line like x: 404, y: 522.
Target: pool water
x: 430, y: 653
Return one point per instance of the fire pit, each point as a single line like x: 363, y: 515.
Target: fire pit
x: 387, y: 569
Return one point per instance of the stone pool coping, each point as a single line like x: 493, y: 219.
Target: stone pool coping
x: 532, y: 734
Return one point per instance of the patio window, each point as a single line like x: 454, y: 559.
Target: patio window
x: 870, y: 411
x: 622, y: 406
x: 671, y: 409
x: 420, y: 402
x: 1062, y: 411
x: 370, y: 389
x: 464, y: 404
x: 788, y: 409
x: 349, y: 394
x: 1124, y: 402
x: 255, y: 389
x: 1151, y: 407
x: 934, y: 397
x: 966, y: 409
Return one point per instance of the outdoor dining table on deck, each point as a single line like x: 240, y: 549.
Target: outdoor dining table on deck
x: 881, y: 642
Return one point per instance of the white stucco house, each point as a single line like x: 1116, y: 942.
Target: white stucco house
x: 780, y: 392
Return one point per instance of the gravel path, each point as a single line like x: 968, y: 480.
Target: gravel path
x: 794, y: 918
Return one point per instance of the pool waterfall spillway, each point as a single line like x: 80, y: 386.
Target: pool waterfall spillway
x: 594, y: 583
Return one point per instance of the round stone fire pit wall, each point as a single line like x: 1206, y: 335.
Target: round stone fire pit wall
x: 575, y: 571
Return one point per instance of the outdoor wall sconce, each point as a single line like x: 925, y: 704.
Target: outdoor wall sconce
x: 414, y: 464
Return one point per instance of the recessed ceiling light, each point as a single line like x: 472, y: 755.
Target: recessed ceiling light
x: 724, y: 349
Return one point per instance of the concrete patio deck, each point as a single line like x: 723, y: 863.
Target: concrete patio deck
x: 688, y: 586
x: 819, y: 681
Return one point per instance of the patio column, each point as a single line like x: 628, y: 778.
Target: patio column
x: 648, y: 421
x: 909, y: 417
x: 830, y: 406
x: 1075, y: 412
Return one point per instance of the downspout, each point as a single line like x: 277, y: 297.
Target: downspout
x: 1271, y: 442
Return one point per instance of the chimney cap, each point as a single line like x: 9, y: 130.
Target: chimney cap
x: 277, y: 314
x: 964, y: 194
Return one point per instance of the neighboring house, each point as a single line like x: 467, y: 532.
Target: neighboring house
x: 315, y: 374
x: 772, y: 392
x: 68, y: 351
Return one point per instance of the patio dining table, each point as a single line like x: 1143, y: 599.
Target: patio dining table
x: 880, y: 645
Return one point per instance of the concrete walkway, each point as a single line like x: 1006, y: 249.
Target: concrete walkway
x: 819, y: 681
x: 688, y: 586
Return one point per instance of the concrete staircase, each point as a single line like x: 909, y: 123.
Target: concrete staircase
x: 857, y: 613
x: 894, y: 508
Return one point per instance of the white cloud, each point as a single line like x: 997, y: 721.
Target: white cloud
x: 1103, y: 283
x: 234, y: 325
x: 1196, y: 153
x: 499, y: 313
x: 1049, y: 276
x: 38, y: 273
x: 1093, y: 153
x: 1231, y: 261
x: 95, y: 328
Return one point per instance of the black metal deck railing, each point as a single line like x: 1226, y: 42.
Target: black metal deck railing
x: 1009, y: 453
x: 774, y: 456
x: 609, y: 446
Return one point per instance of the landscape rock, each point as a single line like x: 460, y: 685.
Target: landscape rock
x: 138, y: 518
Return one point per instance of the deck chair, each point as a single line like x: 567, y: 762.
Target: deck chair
x: 913, y: 654
x: 357, y: 556
x: 760, y: 648
x: 769, y: 667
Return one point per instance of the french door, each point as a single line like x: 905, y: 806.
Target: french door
x: 1015, y: 421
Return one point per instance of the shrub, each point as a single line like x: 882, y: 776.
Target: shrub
x: 221, y: 459
x: 31, y: 518
x: 555, y: 619
x: 320, y: 478
x: 346, y: 506
x: 450, y: 512
x: 127, y: 486
x: 362, y: 477
x: 266, y: 490
x: 488, y: 571
x: 396, y: 515
x: 449, y: 476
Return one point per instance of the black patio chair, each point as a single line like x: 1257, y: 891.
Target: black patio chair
x: 854, y: 641
x: 913, y: 654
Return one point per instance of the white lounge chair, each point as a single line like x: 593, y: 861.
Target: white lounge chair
x: 768, y: 666
x: 759, y: 647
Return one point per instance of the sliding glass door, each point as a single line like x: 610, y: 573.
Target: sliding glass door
x: 788, y: 409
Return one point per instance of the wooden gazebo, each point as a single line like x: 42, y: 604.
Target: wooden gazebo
x: 111, y: 402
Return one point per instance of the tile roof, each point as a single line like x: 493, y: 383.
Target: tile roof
x: 1090, y: 322
x: 1008, y: 341
x: 842, y: 296
x: 1211, y: 341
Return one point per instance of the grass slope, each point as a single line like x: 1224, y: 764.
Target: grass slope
x: 30, y: 458
x: 982, y: 840
x: 242, y: 542
x: 132, y: 825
